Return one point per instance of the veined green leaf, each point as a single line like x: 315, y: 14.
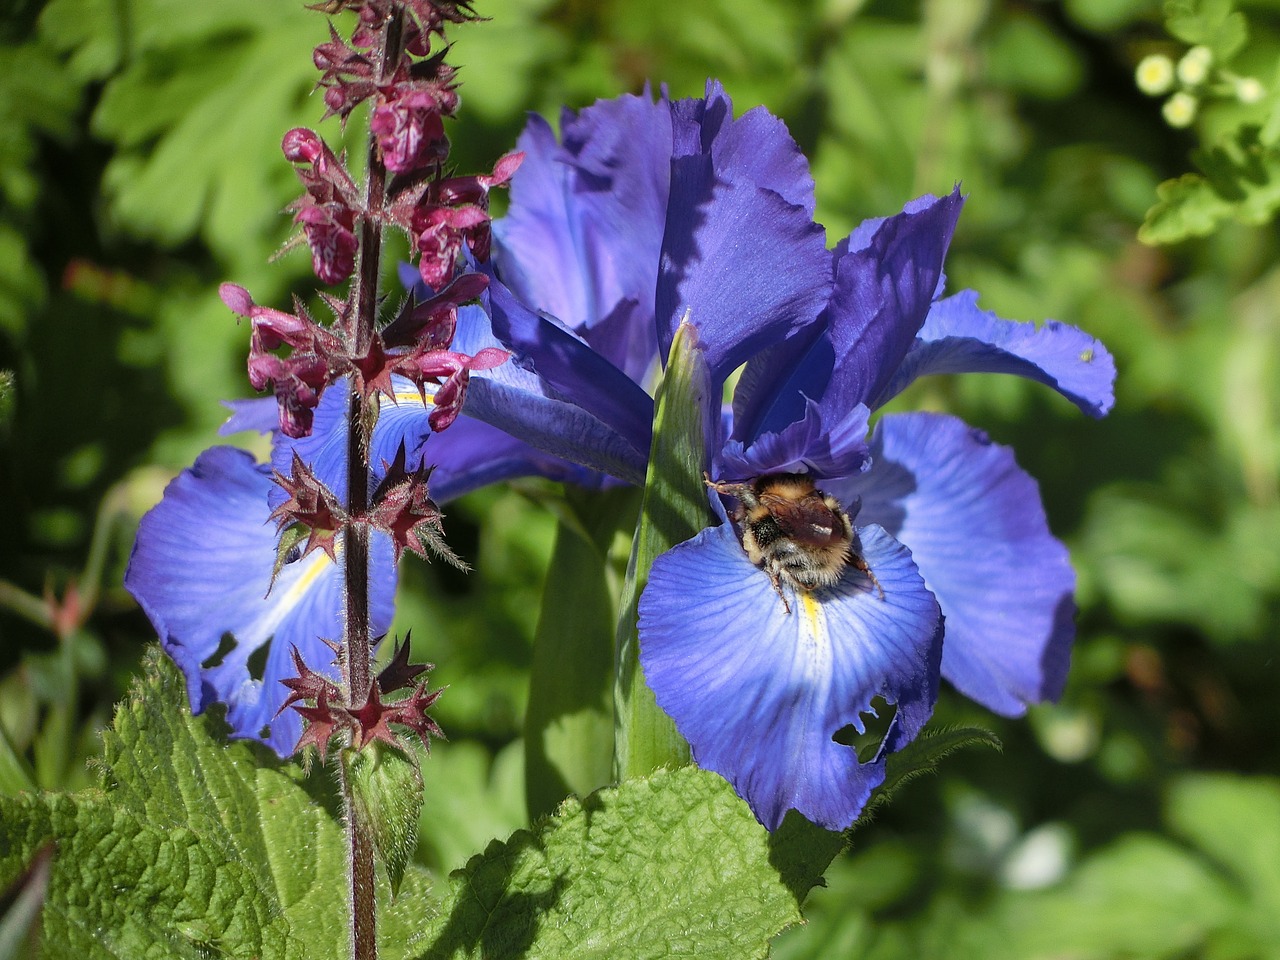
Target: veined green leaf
x: 190, y: 845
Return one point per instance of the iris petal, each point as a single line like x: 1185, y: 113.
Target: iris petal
x: 886, y: 275
x: 259, y: 414
x: 760, y: 693
x: 569, y: 367
x: 823, y: 443
x: 585, y: 222
x: 882, y: 296
x: 959, y: 338
x: 201, y: 568
x: 975, y: 526
x: 742, y: 263
x: 755, y: 148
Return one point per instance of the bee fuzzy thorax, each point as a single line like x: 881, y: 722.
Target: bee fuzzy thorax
x: 793, y: 531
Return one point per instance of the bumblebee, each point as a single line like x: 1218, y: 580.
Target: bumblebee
x: 793, y: 531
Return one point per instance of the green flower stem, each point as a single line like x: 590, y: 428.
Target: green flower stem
x: 674, y: 508
x: 26, y: 605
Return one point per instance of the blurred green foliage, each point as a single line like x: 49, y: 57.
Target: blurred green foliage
x: 140, y: 166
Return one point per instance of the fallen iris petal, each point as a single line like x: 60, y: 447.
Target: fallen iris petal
x: 975, y: 526
x: 200, y: 569
x: 760, y: 693
x: 959, y: 338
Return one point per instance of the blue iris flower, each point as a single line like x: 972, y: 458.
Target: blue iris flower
x: 647, y: 213
x: 202, y: 563
x: 643, y: 213
x: 201, y: 568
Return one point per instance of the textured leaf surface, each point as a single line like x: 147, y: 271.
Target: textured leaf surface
x: 1240, y: 180
x: 190, y: 845
x: 388, y: 795
x: 670, y: 866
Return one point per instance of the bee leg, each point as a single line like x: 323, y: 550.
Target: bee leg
x: 860, y: 564
x: 777, y: 586
x: 735, y: 490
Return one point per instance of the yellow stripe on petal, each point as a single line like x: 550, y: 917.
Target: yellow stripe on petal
x: 814, y: 634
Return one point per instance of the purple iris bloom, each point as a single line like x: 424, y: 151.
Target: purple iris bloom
x: 647, y: 214
x: 202, y: 564
x: 201, y: 567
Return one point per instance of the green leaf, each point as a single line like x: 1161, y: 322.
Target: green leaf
x: 922, y: 756
x: 674, y: 864
x: 1212, y: 811
x: 1240, y: 180
x: 189, y: 845
x: 568, y: 728
x: 387, y: 793
x: 674, y: 508
x: 472, y: 797
x: 1211, y: 23
x: 196, y: 109
x: 15, y: 772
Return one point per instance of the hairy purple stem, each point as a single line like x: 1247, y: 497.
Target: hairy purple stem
x: 358, y: 641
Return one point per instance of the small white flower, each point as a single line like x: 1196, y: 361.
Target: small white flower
x: 1193, y: 68
x: 1249, y: 90
x: 1180, y: 109
x: 1154, y: 75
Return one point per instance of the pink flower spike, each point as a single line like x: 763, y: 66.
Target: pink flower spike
x: 505, y: 168
x: 488, y: 358
x: 236, y: 298
x: 301, y: 145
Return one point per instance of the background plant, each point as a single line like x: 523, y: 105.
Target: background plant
x: 138, y: 171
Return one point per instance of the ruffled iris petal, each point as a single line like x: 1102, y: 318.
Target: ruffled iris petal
x: 975, y: 526
x: 200, y: 569
x: 585, y: 223
x: 756, y: 147
x: 740, y: 259
x: 759, y: 693
x: 824, y: 443
x: 882, y: 296
x: 886, y: 275
x: 959, y: 338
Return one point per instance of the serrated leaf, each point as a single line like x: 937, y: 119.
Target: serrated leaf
x: 922, y: 756
x: 387, y: 791
x: 190, y: 845
x: 1240, y: 180
x: 671, y: 865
